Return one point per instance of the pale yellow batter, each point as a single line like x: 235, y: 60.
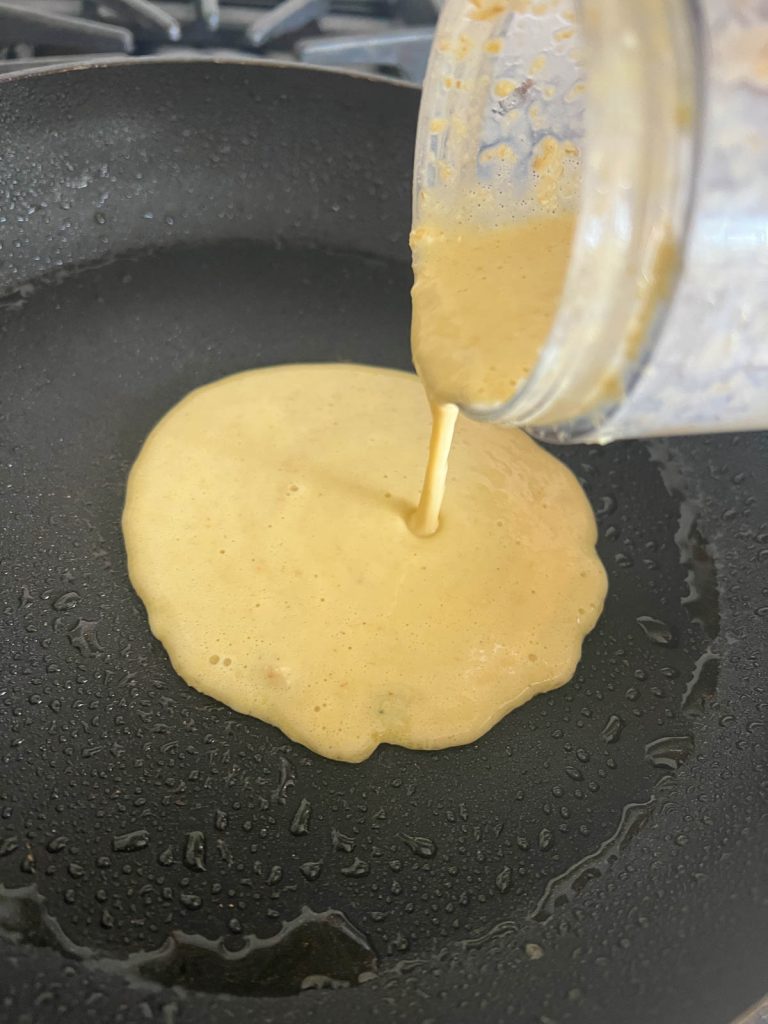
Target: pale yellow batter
x: 266, y: 524
x: 484, y: 300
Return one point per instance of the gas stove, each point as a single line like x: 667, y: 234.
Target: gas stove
x: 385, y: 36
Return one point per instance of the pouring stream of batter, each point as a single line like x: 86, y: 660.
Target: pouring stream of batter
x: 426, y: 517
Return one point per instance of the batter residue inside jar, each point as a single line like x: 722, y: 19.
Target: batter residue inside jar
x: 267, y: 528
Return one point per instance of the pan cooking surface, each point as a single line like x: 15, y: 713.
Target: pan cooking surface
x: 212, y: 822
x: 598, y: 856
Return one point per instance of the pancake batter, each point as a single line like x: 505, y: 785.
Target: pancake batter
x: 266, y: 524
x: 484, y: 300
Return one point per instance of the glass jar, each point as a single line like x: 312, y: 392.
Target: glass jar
x: 662, y: 324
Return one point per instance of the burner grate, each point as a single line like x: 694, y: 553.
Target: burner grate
x: 392, y: 36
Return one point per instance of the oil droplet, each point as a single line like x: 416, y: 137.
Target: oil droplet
x: 84, y: 639
x: 612, y: 729
x: 286, y: 780
x: 129, y: 842
x: 194, y: 851
x: 8, y: 845
x: 504, y: 879
x: 420, y: 845
x: 341, y: 842
x: 545, y: 839
x: 300, y: 824
x: 66, y: 602
x: 357, y: 869
x: 657, y: 631
x: 669, y: 751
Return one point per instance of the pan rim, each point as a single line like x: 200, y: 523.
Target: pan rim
x: 99, y: 63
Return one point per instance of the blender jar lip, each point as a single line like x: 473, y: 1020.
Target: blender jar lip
x: 618, y: 289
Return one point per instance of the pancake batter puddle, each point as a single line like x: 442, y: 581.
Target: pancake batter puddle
x: 266, y: 524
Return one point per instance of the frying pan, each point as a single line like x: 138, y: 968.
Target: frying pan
x: 599, y: 855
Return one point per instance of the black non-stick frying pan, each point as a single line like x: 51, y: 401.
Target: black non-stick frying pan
x: 599, y: 856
